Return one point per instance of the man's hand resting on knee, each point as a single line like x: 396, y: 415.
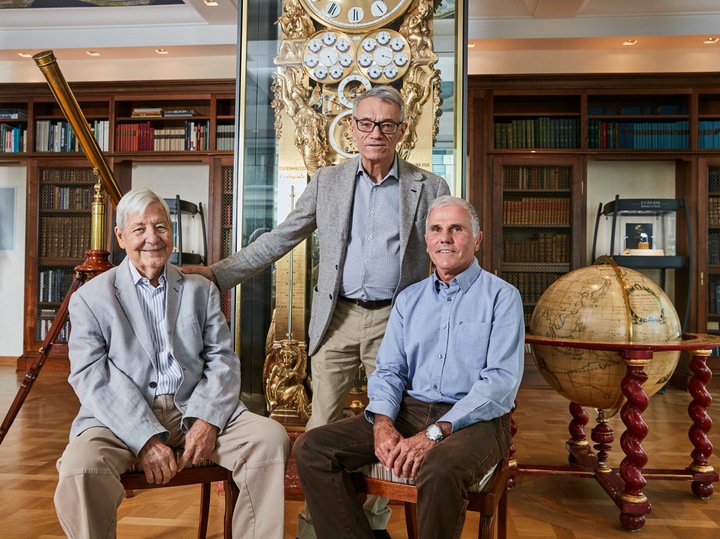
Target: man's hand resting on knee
x: 157, y: 461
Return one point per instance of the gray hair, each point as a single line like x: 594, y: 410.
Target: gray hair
x: 136, y: 201
x: 449, y: 200
x: 385, y: 93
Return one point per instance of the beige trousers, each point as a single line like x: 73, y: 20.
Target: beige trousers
x: 353, y: 338
x: 255, y: 448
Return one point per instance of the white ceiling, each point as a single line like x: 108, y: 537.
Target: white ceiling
x: 194, y: 29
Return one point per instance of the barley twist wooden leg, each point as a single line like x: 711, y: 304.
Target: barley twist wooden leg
x: 702, y: 423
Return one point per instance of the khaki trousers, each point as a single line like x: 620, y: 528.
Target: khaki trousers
x: 255, y: 448
x: 353, y: 338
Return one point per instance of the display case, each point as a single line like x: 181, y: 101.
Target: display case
x: 641, y: 233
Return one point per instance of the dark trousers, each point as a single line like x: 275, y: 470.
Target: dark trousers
x: 326, y: 455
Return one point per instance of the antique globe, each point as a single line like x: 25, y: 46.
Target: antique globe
x: 606, y: 303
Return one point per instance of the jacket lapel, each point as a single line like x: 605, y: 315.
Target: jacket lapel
x: 411, y: 186
x: 347, y: 176
x: 174, y: 293
x: 127, y: 297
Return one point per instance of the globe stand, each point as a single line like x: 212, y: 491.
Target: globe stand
x: 625, y: 485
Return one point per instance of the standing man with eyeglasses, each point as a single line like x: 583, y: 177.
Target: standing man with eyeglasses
x: 370, y: 216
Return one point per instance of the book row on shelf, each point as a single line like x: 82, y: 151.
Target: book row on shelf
x: 708, y: 134
x: 542, y: 178
x: 225, y: 138
x: 67, y: 175
x: 58, y: 136
x: 12, y: 113
x: 537, y: 133
x: 160, y: 112
x: 537, y: 211
x: 64, y: 197
x: 714, y: 211
x: 44, y: 326
x: 53, y: 284
x: 714, y: 179
x: 531, y: 284
x: 143, y: 137
x: 13, y: 138
x: 629, y: 135
x: 64, y: 237
x: 544, y: 247
x: 713, y: 247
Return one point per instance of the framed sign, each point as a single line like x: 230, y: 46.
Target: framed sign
x: 7, y: 218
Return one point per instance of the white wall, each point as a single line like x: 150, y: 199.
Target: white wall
x: 12, y: 268
x: 189, y: 180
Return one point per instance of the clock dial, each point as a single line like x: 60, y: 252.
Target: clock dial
x: 328, y: 56
x: 341, y: 136
x: 352, y: 86
x: 355, y: 15
x: 383, y: 56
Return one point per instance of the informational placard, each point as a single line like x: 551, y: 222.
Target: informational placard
x: 7, y: 218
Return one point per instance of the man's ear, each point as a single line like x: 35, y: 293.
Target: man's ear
x: 119, y: 236
x: 478, y: 241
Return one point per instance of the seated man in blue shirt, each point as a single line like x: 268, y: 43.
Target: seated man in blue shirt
x: 447, y: 374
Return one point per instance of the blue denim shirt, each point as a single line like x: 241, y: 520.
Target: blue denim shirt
x: 461, y: 344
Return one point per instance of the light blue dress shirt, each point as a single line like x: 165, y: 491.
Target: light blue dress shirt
x: 372, y: 261
x: 461, y: 344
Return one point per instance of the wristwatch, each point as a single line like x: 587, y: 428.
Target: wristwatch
x: 434, y: 433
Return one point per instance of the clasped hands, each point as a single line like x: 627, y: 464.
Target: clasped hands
x: 403, y: 455
x: 158, y: 459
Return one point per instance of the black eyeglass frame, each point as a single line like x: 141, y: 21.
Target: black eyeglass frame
x: 379, y: 125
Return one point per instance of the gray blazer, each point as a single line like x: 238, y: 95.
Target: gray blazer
x: 326, y: 204
x: 113, y: 367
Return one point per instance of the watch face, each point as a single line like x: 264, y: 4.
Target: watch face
x: 434, y: 433
x: 355, y: 15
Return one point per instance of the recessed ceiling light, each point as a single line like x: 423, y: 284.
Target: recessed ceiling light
x: 471, y: 44
x: 92, y: 53
x: 711, y: 40
x: 630, y: 42
x: 162, y: 51
x: 24, y: 55
x: 211, y: 3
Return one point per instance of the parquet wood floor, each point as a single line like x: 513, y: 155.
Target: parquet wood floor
x: 539, y: 507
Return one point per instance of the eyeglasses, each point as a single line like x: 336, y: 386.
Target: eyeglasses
x: 386, y: 127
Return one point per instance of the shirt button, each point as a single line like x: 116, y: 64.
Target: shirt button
x: 444, y: 326
x: 370, y: 237
x: 372, y: 213
x: 153, y: 385
x: 449, y: 299
x: 440, y: 356
x: 434, y: 386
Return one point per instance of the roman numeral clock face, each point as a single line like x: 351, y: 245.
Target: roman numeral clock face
x: 355, y: 15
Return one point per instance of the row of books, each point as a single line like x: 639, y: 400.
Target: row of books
x: 143, y: 137
x: 53, y: 285
x: 714, y: 211
x: 518, y: 177
x: 13, y: 138
x: 13, y: 113
x: 713, y: 248
x: 537, y: 211
x: 64, y: 197
x: 225, y: 138
x: 714, y: 179
x: 64, y: 237
x: 537, y: 133
x: 160, y: 112
x: 544, y: 247
x: 67, y: 175
x: 622, y: 135
x: 530, y: 284
x: 44, y: 326
x: 708, y: 134
x: 638, y: 110
x: 58, y: 136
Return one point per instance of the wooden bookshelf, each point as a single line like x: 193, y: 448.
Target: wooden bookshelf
x: 130, y: 120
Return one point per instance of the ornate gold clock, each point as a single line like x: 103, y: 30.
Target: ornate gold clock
x: 333, y: 50
x: 355, y: 15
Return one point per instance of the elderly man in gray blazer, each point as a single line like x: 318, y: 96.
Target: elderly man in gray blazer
x: 369, y: 213
x: 152, y: 364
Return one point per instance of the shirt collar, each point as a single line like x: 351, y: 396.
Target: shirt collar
x: 139, y: 279
x: 392, y: 173
x: 464, y: 280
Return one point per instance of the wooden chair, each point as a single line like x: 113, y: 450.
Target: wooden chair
x: 204, y: 474
x: 488, y: 497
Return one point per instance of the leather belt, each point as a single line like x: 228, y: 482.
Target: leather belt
x: 370, y: 305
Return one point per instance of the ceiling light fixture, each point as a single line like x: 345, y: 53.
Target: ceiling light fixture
x: 630, y: 42
x: 24, y: 55
x: 210, y: 3
x: 162, y: 51
x: 92, y: 53
x: 711, y: 40
x: 471, y: 44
